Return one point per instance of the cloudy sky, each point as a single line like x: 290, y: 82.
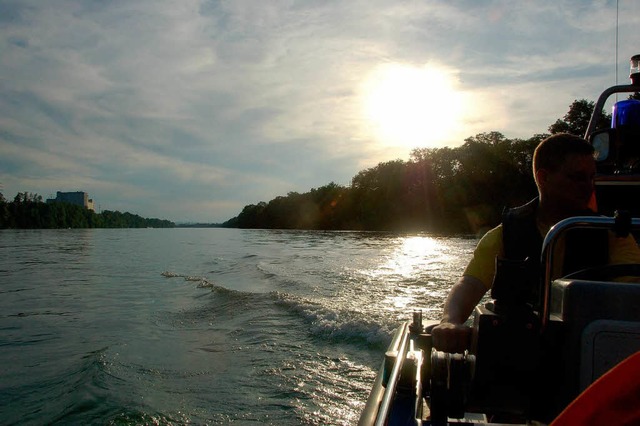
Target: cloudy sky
x: 189, y: 110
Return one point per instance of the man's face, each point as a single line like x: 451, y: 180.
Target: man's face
x: 571, y: 186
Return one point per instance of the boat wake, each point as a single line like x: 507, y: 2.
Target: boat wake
x: 202, y: 282
x: 342, y: 325
x: 327, y: 322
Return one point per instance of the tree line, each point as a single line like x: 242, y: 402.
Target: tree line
x: 28, y: 211
x: 444, y: 190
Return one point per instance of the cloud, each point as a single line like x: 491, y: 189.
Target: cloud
x: 193, y: 109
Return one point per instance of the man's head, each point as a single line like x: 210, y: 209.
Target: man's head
x: 564, y: 168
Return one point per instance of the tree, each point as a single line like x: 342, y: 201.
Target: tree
x: 377, y: 194
x: 28, y: 211
x: 450, y: 189
x: 577, y: 119
x: 4, y: 213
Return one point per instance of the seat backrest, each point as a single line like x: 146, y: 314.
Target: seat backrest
x: 605, y: 343
x: 601, y: 322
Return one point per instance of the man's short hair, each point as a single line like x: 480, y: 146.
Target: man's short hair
x: 552, y: 152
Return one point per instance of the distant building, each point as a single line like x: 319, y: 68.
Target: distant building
x: 78, y: 198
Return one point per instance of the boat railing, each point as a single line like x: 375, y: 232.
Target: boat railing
x: 392, y: 382
x: 550, y: 243
x: 381, y: 397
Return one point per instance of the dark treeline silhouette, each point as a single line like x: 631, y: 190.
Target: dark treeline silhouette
x: 198, y: 225
x: 445, y: 190
x: 28, y: 211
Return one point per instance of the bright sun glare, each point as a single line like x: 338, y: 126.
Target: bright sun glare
x: 411, y: 107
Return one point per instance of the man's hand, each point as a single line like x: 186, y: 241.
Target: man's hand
x: 448, y: 337
x: 451, y: 335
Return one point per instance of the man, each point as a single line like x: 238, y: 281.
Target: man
x: 564, y: 171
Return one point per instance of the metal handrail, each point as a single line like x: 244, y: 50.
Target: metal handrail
x: 390, y: 390
x: 597, y: 110
x: 549, y: 245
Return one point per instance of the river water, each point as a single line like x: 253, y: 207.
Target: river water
x: 207, y: 326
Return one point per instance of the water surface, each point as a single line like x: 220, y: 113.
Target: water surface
x: 207, y: 326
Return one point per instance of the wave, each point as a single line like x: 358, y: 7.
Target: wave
x: 202, y: 282
x: 338, y: 324
x: 135, y: 417
x: 324, y: 320
x: 66, y: 391
x: 104, y: 390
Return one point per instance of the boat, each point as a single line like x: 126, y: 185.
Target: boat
x: 539, y: 363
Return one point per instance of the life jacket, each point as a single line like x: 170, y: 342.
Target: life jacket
x: 613, y: 399
x: 518, y: 274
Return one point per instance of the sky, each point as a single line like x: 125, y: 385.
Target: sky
x: 190, y: 110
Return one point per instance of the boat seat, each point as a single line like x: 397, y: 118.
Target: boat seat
x: 600, y: 322
x: 604, y: 344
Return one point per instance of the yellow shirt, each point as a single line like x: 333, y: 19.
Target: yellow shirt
x: 483, y: 263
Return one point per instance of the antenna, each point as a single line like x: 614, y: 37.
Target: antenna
x: 617, y: 15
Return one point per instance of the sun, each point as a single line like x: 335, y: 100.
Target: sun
x: 412, y: 107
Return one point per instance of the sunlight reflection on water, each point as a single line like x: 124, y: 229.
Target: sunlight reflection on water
x: 414, y: 254
x: 416, y: 272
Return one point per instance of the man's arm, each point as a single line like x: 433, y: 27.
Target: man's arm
x: 451, y: 335
x: 463, y: 297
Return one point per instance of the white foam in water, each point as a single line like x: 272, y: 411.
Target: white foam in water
x: 202, y: 282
